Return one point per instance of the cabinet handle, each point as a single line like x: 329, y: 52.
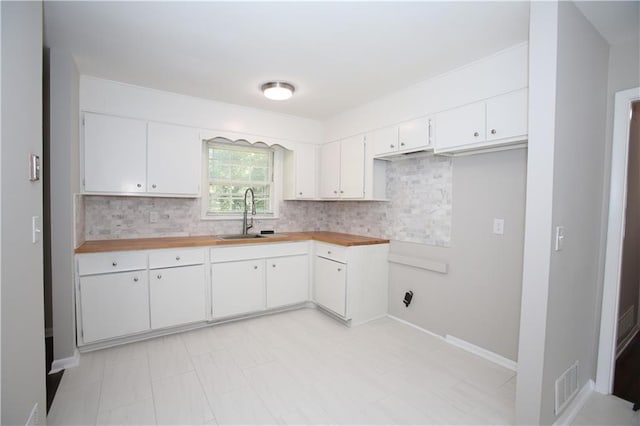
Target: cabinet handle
x: 299, y: 193
x: 341, y: 191
x: 401, y: 143
x: 177, y: 257
x: 274, y: 265
x: 339, y: 269
x: 392, y: 146
x: 114, y: 263
x: 328, y: 251
x: 135, y: 279
x: 493, y: 131
x: 335, y: 192
x: 476, y: 134
x: 255, y: 267
x: 159, y: 276
x: 139, y: 185
x: 153, y: 186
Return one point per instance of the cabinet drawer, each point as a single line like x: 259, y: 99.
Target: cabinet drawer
x: 101, y: 263
x: 175, y: 257
x: 331, y: 251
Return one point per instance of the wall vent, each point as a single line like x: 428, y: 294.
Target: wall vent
x: 626, y: 322
x: 33, y: 419
x: 566, y: 387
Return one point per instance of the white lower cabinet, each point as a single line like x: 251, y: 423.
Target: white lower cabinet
x: 122, y: 296
x: 351, y: 281
x: 177, y: 296
x: 287, y: 280
x: 114, y: 305
x: 238, y: 287
x: 244, y: 280
x: 330, y: 286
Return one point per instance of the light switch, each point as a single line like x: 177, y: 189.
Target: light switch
x: 36, y: 229
x: 498, y: 226
x: 559, y: 238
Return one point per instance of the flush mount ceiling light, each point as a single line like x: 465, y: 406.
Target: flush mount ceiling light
x: 278, y: 90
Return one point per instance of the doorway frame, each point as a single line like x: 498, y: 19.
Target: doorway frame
x: 615, y: 238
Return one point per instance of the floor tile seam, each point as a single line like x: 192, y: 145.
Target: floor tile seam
x: 153, y: 395
x: 206, y: 397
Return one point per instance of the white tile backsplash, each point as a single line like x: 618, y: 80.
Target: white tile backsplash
x: 419, y: 210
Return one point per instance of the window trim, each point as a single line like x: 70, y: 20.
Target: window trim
x: 276, y: 187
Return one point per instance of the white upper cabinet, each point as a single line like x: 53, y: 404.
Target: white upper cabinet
x: 352, y: 167
x: 115, y: 153
x: 300, y: 172
x: 507, y: 116
x: 384, y: 141
x: 410, y: 136
x: 173, y: 165
x: 330, y: 170
x: 501, y: 120
x: 414, y: 134
x: 342, y: 168
x: 133, y: 157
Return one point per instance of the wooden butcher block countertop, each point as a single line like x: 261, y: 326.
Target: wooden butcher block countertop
x: 199, y: 241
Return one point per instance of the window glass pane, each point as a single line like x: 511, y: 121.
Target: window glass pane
x: 231, y: 170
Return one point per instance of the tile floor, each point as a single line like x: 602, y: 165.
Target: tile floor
x: 299, y: 367
x: 607, y: 410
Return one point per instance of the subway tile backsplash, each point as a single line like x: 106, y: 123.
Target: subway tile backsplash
x: 419, y: 210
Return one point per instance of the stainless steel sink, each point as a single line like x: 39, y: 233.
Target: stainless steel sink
x: 249, y: 236
x: 240, y: 236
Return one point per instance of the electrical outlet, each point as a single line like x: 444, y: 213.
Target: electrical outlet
x: 153, y: 217
x: 498, y: 226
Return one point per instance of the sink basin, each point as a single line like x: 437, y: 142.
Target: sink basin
x: 240, y: 236
x: 249, y: 236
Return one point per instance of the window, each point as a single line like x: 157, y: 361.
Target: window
x: 233, y: 169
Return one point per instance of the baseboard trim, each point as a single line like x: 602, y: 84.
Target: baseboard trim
x: 469, y: 347
x: 482, y: 352
x: 624, y: 344
x: 64, y: 363
x: 571, y: 412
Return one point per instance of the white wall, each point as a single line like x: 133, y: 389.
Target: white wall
x: 500, y: 73
x: 580, y: 139
x: 560, y: 315
x: 543, y: 55
x: 22, y: 345
x: 64, y: 183
x: 109, y: 97
x: 478, y: 300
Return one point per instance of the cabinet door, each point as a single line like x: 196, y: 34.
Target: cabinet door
x: 173, y: 160
x: 330, y: 285
x: 177, y: 296
x: 507, y: 115
x: 238, y: 287
x: 384, y: 141
x: 114, y: 305
x: 330, y: 170
x: 115, y: 154
x: 305, y: 171
x: 352, y: 167
x: 414, y: 134
x: 287, y: 280
x: 460, y: 126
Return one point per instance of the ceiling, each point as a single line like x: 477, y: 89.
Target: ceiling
x: 616, y: 21
x: 338, y: 54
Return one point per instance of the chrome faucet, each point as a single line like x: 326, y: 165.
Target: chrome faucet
x: 245, y: 225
